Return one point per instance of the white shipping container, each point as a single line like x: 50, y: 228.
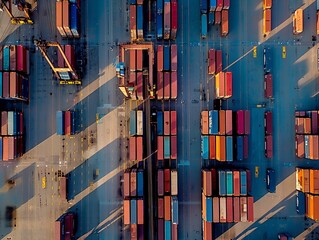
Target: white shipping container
x: 174, y: 183
x: 243, y: 209
x: 139, y: 122
x: 222, y: 209
x: 10, y: 122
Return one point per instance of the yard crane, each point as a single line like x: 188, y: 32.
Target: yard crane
x: 66, y: 75
x: 22, y: 6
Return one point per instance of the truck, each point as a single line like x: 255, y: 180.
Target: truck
x: 174, y: 210
x: 140, y: 183
x: 268, y: 122
x: 59, y: 123
x: 229, y: 183
x: 224, y: 25
x: 267, y: 21
x: 173, y: 147
x: 174, y: 10
x: 229, y: 148
x: 243, y: 183
x: 139, y: 21
x: 167, y: 19
x: 297, y: 21
x: 204, y: 122
x: 160, y: 123
x: 222, y: 182
x: 160, y: 182
x: 271, y: 180
x: 219, y: 61
x: 240, y: 115
x: 139, y: 120
x: 211, y: 61
x: 267, y: 58
x: 160, y: 148
x: 204, y: 147
x: 65, y: 226
x: 268, y: 146
x: 204, y: 25
x: 268, y: 92
x: 228, y: 90
x: 212, y: 147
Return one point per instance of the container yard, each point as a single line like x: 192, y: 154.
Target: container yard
x: 162, y: 119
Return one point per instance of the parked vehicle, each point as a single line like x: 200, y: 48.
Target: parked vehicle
x: 271, y: 180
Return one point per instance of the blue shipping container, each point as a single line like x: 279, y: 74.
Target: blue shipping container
x: 159, y: 24
x: 212, y: 5
x: 317, y: 5
x: 209, y: 209
x: 140, y: 184
x: 0, y: 148
x: 204, y: 25
x: 215, y: 128
x: 167, y: 59
x: 25, y: 88
x: 229, y: 148
x: 205, y: 147
x: 167, y: 149
x: 211, y: 18
x: 60, y: 123
x: 74, y: 20
x: 15, y: 123
x: 167, y: 230
x: 229, y: 183
x: 159, y: 6
x: 73, y: 127
x: 139, y: 17
x: 174, y: 210
x: 133, y: 212
x: 240, y: 148
x: 132, y: 123
x: 243, y: 183
x: 210, y: 122
x: 203, y: 7
x: 307, y: 150
x: 6, y: 58
x: 160, y: 126
x: 222, y: 183
x: 132, y: 2
x: 300, y: 203
x: 10, y: 122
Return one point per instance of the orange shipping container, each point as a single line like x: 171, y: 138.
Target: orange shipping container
x: 267, y: 21
x: 5, y: 149
x: 267, y: 4
x: 204, y: 206
x: 13, y: 85
x: 297, y: 21
x: 220, y: 85
x: 312, y: 207
x: 167, y: 207
x: 222, y: 122
x: 307, y: 125
x: 66, y: 18
x: 160, y: 148
x: 140, y: 211
x: 224, y: 25
x: 215, y: 210
x: 212, y: 147
x: 299, y: 177
x: 10, y: 148
x: 299, y: 122
x: 218, y: 148
x: 204, y: 122
x: 315, y: 147
x: 133, y: 232
x: 305, y: 181
x: 222, y: 148
x: 314, y: 181
x: 173, y: 85
x: 59, y: 18
x: 127, y: 217
x: 208, y: 230
x: 300, y: 146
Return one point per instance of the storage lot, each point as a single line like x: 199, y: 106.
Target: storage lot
x: 97, y: 201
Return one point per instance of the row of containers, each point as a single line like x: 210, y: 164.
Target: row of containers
x: 223, y: 85
x: 166, y: 58
x: 14, y: 86
x: 218, y: 140
x: 267, y: 5
x: 68, y: 18
x: 166, y: 19
x: 133, y: 203
x: 268, y: 134
x: 214, y: 12
x: 166, y: 135
x: 215, y: 61
x: 307, y: 186
x: 136, y: 135
x: 167, y: 203
x: 65, y: 122
x: 307, y: 138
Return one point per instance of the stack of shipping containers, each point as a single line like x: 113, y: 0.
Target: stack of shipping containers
x: 307, y: 135
x: 268, y: 134
x: 225, y: 198
x: 12, y: 132
x: 14, y: 71
x: 167, y: 178
x: 136, y: 78
x: 166, y: 72
x: 215, y: 12
x: 136, y: 20
x: 65, y: 122
x: 68, y: 18
x: 136, y: 135
x: 219, y: 141
x: 267, y: 16
x: 133, y: 203
x: 307, y: 186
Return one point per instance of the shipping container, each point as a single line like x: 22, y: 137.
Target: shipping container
x: 207, y: 230
x: 300, y: 202
x: 160, y: 86
x: 267, y: 4
x: 11, y: 148
x: 316, y: 147
x: 140, y: 211
x: 229, y: 122
x: 67, y: 123
x: 224, y: 25
x: 222, y: 122
x: 222, y: 210
x: 174, y: 210
x: 1, y: 81
x: 212, y: 147
x: 132, y: 152
x: 160, y: 182
x: 218, y: 148
x: 168, y: 230
x: 220, y: 85
x: 222, y: 182
x: 229, y: 183
x: 139, y: 60
x: 74, y: 20
x: 59, y: 18
x: 160, y: 207
x: 317, y: 22
x: 167, y: 58
x: 240, y: 122
x: 229, y: 210
x: 297, y: 21
x: 21, y: 59
x: 1, y: 149
x: 160, y: 57
x: 247, y: 122
x: 243, y: 183
x: 204, y: 26
x: 268, y: 146
x: 167, y: 123
x: 173, y: 122
x: 229, y: 148
x: 5, y: 148
x: 243, y: 209
x: 314, y: 122
x: 271, y: 180
x: 167, y: 180
x: 300, y: 146
x: 159, y: 25
x: 236, y: 209
x: 211, y: 61
x: 133, y: 232
x: 133, y: 211
x: 160, y: 123
x: 133, y: 120
x: 219, y: 6
x: 222, y: 148
x: 268, y: 122
x: 139, y: 148
x: 312, y: 206
x: 1, y: 58
x: 204, y: 147
x: 173, y: 147
x: 311, y: 147
x: 211, y: 18
x: 126, y: 188
x: 60, y: 122
x: 139, y: 87
x: 160, y: 148
x: 214, y: 182
x: 174, y: 25
x: 140, y: 183
x: 209, y: 209
x: 66, y: 18
x: 228, y: 89
x: 203, y: 6
x: 5, y: 85
x: 268, y: 92
x: 226, y: 4
x: 219, y: 61
x: 174, y: 232
x: 173, y: 57
x: 133, y: 184
x: 167, y: 85
x: 6, y: 58
x: 127, y: 211
x: 174, y: 183
x: 250, y: 212
x: 215, y: 120
x: 132, y: 65
x: 140, y: 21
x: 299, y: 125
x: 167, y: 19
x: 167, y: 207
x: 236, y: 182
x: 207, y: 182
x: 204, y: 211
x: 13, y: 85
x: 160, y: 231
x: 204, y: 122
x: 314, y: 181
x: 267, y: 21
x: 173, y: 85
x: 139, y: 117
x: 133, y: 31
x: 218, y: 17
x: 307, y: 153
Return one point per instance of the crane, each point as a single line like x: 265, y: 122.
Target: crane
x: 22, y: 6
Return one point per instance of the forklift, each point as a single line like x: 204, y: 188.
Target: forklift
x: 22, y: 6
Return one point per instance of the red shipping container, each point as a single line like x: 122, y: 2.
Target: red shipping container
x: 133, y: 22
x: 20, y: 145
x: 219, y: 56
x: 5, y: 149
x: 173, y: 85
x: 212, y: 147
x: 160, y: 207
x: 139, y: 90
x: 132, y: 148
x: 132, y: 60
x: 173, y: 57
x: 248, y: 181
x: 167, y: 123
x: 21, y: 59
x: 133, y: 183
x: 127, y: 211
x: 13, y: 58
x: 167, y: 180
x: 307, y: 125
x: 236, y: 183
x: 228, y: 85
x: 1, y: 59
x: 132, y: 79
x: 268, y: 146
x: 160, y: 148
x: 314, y: 122
x: 140, y: 211
x: 70, y: 55
x: 139, y: 60
x: 218, y: 18
x: 208, y: 230
x: 229, y: 122
x: 173, y: 122
x: 67, y: 123
x: 222, y: 122
x: 139, y: 148
x: 250, y: 203
x: 126, y: 188
x: 229, y: 209
x: 214, y: 181
x: 4, y: 123
x: 66, y: 19
x: 247, y: 122
x: 236, y: 209
x: 300, y: 146
x: 316, y: 147
x: 267, y: 4
x: 173, y: 147
x: 221, y: 84
x: 61, y: 62
x: 140, y: 1
x: 5, y: 85
x: 167, y: 208
x: 245, y: 146
x: 13, y: 85
x: 207, y: 182
x: 240, y: 122
x: 219, y: 6
x: 211, y: 61
x: 226, y: 4
x: 160, y: 182
x: 160, y: 231
x: 222, y: 148
x: 174, y: 232
x: 224, y: 24
x: 167, y: 20
x: 167, y: 85
x: 160, y: 86
x: 59, y: 18
x: 174, y: 11
x: 21, y: 123
x: 133, y: 232
x: 10, y: 148
x: 215, y: 209
x: 268, y: 85
x: 160, y: 56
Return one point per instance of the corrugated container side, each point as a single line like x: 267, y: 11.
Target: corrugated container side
x: 160, y: 85
x: 133, y: 22
x: 207, y: 182
x: 139, y: 90
x: 139, y: 60
x: 211, y: 61
x: 243, y: 209
x: 300, y: 146
x: 160, y: 148
x: 139, y: 116
x: 222, y: 148
x: 174, y: 183
x: 229, y: 209
x: 140, y: 183
x: 222, y: 122
x: 127, y: 211
x: 5, y: 85
x: 314, y: 181
x: 140, y: 211
x: 219, y: 59
x: 167, y: 85
x: 173, y: 122
x: 222, y: 210
x: 236, y: 209
x: 74, y: 20
x: 250, y: 214
x: 229, y: 148
x: 240, y: 122
x: 212, y: 147
x: 173, y: 57
x: 209, y: 209
x: 167, y: 208
x: 168, y: 230
x: 126, y: 189
x: 173, y: 147
x: 132, y: 59
x: 160, y: 207
x: 167, y: 147
x: 167, y: 20
x: 13, y: 58
x: 160, y: 231
x: 167, y: 123
x: 134, y: 232
x: 66, y: 19
x: 139, y: 148
x: 222, y: 182
x: 215, y: 209
x: 207, y: 230
x: 133, y: 183
x: 174, y: 85
x: 174, y: 232
x: 174, y: 207
x: 246, y: 146
x: 5, y: 146
x: 167, y: 180
x: 133, y: 211
x: 11, y: 148
x: 204, y: 122
x: 160, y: 56
x: 59, y: 18
x: 132, y: 152
x: 160, y: 182
x: 204, y: 147
x: 160, y: 123
x: 316, y: 147
x: 267, y: 21
x: 224, y: 26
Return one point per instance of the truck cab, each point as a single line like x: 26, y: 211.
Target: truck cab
x: 271, y: 180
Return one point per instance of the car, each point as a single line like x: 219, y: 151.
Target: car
x: 271, y: 180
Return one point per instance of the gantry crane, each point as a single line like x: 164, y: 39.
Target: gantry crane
x: 22, y: 6
x: 66, y: 75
